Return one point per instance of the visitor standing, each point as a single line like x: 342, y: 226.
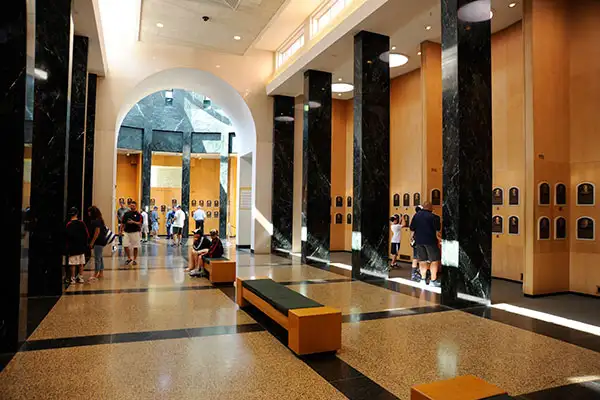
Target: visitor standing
x: 154, y: 220
x: 178, y: 224
x: 170, y: 217
x: 415, y: 273
x: 132, y: 222
x: 145, y: 225
x: 199, y: 216
x: 426, y: 226
x: 98, y: 241
x: 396, y: 228
x: 76, y: 244
x: 120, y: 212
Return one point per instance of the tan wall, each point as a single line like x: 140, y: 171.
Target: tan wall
x: 205, y: 185
x: 232, y: 195
x: 508, y: 135
x: 584, y: 73
x: 338, y: 173
x: 349, y: 104
x: 165, y: 195
x: 129, y: 170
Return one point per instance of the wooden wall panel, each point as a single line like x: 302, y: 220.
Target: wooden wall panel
x: 128, y: 182
x: 338, y: 172
x: 205, y: 185
x: 349, y: 104
x: 164, y: 195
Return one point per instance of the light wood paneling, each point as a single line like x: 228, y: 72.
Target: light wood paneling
x: 128, y: 178
x: 232, y: 195
x: 205, y: 185
x: 349, y: 171
x: 165, y: 195
x: 338, y: 172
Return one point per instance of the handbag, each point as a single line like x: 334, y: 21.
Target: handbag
x: 109, y: 237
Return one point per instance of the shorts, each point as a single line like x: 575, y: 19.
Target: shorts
x: 144, y: 228
x: 428, y: 252
x: 155, y: 226
x: 395, y: 248
x: 177, y: 230
x: 77, y: 260
x: 132, y: 239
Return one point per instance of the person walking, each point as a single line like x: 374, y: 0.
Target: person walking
x: 178, y: 224
x: 154, y: 220
x: 120, y: 212
x: 199, y: 216
x: 98, y: 241
x: 170, y: 217
x: 132, y: 221
x: 426, y: 226
x: 145, y: 225
x: 76, y: 244
x: 396, y: 227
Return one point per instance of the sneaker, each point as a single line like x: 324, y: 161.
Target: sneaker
x: 80, y: 279
x: 436, y: 283
x: 197, y: 273
x: 134, y: 262
x: 73, y: 280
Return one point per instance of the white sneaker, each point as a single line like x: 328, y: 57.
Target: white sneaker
x: 80, y: 279
x: 73, y: 280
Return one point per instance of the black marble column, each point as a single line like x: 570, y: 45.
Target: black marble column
x: 316, y: 167
x: 467, y: 154
x: 77, y: 123
x: 223, y: 184
x: 186, y: 159
x: 50, y: 146
x: 370, y: 229
x: 146, y: 162
x: 13, y: 74
x: 283, y: 172
x: 90, y: 129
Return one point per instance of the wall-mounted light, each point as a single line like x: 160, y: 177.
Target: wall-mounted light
x: 169, y: 94
x: 428, y: 28
x: 284, y: 118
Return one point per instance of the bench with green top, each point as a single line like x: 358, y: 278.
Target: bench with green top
x: 312, y: 327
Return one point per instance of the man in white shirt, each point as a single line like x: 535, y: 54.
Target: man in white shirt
x: 145, y: 226
x: 178, y: 224
x: 199, y: 216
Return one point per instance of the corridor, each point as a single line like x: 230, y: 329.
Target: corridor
x: 154, y: 332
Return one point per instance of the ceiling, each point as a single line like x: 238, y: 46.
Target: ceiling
x: 183, y: 24
x: 86, y: 19
x: 404, y: 21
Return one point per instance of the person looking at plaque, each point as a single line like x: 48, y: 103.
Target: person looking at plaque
x: 170, y: 217
x: 145, y: 226
x: 178, y: 224
x: 120, y: 212
x: 154, y: 220
x: 415, y: 273
x: 426, y: 226
x: 397, y: 223
x: 199, y: 216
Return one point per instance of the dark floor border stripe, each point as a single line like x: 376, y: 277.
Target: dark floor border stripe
x: 129, y: 337
x: 138, y: 290
x: 589, y: 390
x: 558, y: 332
x: 314, y: 281
x: 405, y: 312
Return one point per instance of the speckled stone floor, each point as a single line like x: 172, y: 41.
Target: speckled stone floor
x: 153, y: 332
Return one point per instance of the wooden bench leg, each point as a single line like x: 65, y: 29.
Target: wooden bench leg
x: 314, y: 330
x: 239, y: 290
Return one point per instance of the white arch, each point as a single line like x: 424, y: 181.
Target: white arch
x: 202, y: 82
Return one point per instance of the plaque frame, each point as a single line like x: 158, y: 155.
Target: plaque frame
x: 539, y: 189
x: 539, y: 231
x: 396, y: 201
x: 593, y: 230
x: 556, y: 228
x: 593, y: 194
x: 439, y: 197
x: 406, y: 200
x: 518, y: 203
x: 501, y: 224
x: 501, y: 189
x: 556, y: 203
x: 510, y: 217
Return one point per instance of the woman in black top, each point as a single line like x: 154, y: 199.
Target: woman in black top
x: 98, y: 240
x: 76, y: 244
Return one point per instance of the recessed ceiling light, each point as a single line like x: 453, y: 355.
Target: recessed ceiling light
x: 418, y: 53
x: 339, y: 94
x: 511, y: 5
x: 339, y: 79
x: 236, y: 37
x: 394, y: 59
x: 341, y: 87
x: 393, y: 47
x: 218, y: 66
x: 428, y: 28
x: 160, y: 25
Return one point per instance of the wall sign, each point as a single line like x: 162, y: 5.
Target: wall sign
x: 513, y: 196
x: 544, y: 228
x: 513, y: 225
x: 406, y: 200
x: 436, y: 197
x: 396, y: 200
x: 544, y: 194
x: 585, y: 228
x: 497, y: 196
x: 497, y: 224
x: 560, y: 228
x: 560, y: 194
x: 586, y: 194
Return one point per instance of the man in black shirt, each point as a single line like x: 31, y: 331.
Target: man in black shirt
x: 426, y: 227
x: 132, y: 222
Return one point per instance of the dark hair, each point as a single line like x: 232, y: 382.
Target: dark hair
x: 394, y: 217
x: 133, y: 202
x: 73, y: 212
x: 214, y: 232
x: 95, y: 214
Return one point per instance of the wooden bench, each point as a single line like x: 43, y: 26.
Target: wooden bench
x: 468, y: 387
x: 312, y: 327
x: 220, y: 270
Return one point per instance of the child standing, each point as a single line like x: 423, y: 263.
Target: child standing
x: 396, y: 227
x: 76, y: 244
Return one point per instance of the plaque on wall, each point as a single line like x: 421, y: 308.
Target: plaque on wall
x: 349, y: 201
x: 513, y: 196
x: 544, y: 194
x: 216, y: 214
x: 173, y: 202
x: 560, y: 194
x: 436, y: 197
x: 129, y: 200
x: 513, y: 225
x: 544, y: 228
x: 152, y: 202
x: 338, y: 218
x: 349, y: 219
x: 208, y: 214
x: 339, y: 202
x: 208, y: 203
x: 406, y: 200
x: 396, y: 200
x: 406, y: 220
x: 585, y: 194
x: 560, y: 228
x: 163, y: 208
x: 416, y: 199
x: 497, y: 224
x: 193, y: 203
x: 585, y: 228
x: 216, y: 203
x: 201, y: 203
x: 497, y: 196
x: 121, y: 200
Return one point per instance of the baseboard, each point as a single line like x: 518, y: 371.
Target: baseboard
x: 242, y: 246
x: 534, y: 296
x: 341, y: 251
x: 508, y: 280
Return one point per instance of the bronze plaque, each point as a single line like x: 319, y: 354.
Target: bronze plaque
x: 216, y: 203
x: 129, y: 200
x: 121, y: 201
x: 201, y: 203
x: 216, y: 214
x: 497, y: 224
x: 406, y: 220
x: 349, y: 219
x: 193, y: 203
x: 208, y: 214
x: 513, y: 225
x: 560, y: 194
x: 349, y: 201
x: 544, y: 194
x: 585, y: 229
x: 396, y: 200
x: 513, y: 196
x: 416, y: 199
x: 152, y: 202
x: 585, y: 194
x: 544, y: 228
x: 560, y: 228
x: 208, y: 203
x: 497, y: 196
x: 339, y: 202
x: 436, y: 197
x: 338, y: 218
x: 163, y: 208
x: 406, y: 200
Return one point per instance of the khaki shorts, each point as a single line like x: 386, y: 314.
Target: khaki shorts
x: 132, y: 239
x: 77, y: 260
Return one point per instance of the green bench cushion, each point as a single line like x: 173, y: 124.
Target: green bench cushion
x: 280, y: 297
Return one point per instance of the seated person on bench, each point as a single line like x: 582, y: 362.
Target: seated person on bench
x: 199, y: 247
x: 215, y: 251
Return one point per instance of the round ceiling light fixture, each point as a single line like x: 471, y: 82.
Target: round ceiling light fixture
x: 160, y: 25
x: 236, y: 37
x: 284, y: 118
x: 512, y: 5
x: 476, y: 11
x: 342, y: 87
x: 394, y: 59
x: 428, y: 28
